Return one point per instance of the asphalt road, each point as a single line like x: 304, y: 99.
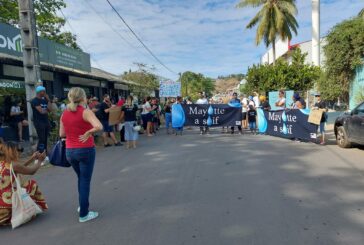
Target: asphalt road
x: 216, y: 189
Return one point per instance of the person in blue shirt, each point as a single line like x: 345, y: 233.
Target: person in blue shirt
x: 235, y: 100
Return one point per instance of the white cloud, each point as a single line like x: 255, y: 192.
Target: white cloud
x: 200, y: 35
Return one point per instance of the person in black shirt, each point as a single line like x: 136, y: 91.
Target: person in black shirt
x: 103, y: 115
x: 252, y: 119
x: 322, y: 106
x: 41, y: 106
x: 129, y: 111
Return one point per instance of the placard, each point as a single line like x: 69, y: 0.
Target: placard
x: 114, y: 115
x: 169, y: 88
x: 315, y: 116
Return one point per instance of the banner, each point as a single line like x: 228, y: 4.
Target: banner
x: 169, y: 89
x: 291, y: 124
x: 49, y: 51
x: 214, y: 115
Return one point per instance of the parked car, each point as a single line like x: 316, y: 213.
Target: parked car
x: 349, y: 127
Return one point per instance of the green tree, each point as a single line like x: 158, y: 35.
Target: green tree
x: 276, y: 18
x: 296, y: 76
x: 145, y: 82
x: 49, y: 25
x: 344, y: 52
x: 193, y: 83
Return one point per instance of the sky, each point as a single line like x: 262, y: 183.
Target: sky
x: 207, y: 37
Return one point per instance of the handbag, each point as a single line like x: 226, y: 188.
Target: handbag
x: 57, y: 156
x: 137, y: 128
x: 23, y: 206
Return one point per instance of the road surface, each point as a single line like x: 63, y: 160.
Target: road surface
x: 213, y: 189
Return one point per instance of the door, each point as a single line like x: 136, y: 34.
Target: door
x: 356, y: 124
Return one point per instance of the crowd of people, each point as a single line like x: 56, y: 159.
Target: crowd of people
x: 82, y: 118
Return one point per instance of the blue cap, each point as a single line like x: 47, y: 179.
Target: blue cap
x: 296, y: 96
x: 40, y: 89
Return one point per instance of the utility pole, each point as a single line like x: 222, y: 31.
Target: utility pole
x: 316, y: 32
x: 32, y: 71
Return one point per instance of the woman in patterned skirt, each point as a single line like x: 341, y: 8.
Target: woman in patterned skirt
x: 9, y: 156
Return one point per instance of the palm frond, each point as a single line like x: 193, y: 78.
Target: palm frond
x: 255, y: 20
x: 361, y: 13
x: 250, y: 3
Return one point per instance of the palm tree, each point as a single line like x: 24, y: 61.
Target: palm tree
x: 361, y: 13
x: 276, y: 18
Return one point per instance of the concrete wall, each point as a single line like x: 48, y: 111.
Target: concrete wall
x: 281, y: 49
x: 356, y: 87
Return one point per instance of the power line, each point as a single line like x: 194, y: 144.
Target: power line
x: 79, y: 40
x: 137, y: 37
x: 116, y: 31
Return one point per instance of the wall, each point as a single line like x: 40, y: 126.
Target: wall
x: 356, y: 87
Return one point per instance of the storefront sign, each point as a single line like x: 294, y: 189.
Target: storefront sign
x: 49, y: 51
x: 11, y: 84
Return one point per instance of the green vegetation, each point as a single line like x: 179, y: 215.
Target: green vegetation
x: 49, y: 25
x: 276, y: 18
x: 193, y: 83
x: 296, y: 76
x: 344, y: 52
x: 145, y: 81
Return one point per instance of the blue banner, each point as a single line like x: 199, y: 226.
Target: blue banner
x: 291, y: 124
x: 214, y: 115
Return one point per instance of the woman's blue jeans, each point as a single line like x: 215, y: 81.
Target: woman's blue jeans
x: 82, y: 161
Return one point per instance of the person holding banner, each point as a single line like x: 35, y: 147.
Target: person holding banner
x: 235, y: 100
x: 298, y: 102
x: 203, y: 101
x: 281, y: 102
x: 323, y: 106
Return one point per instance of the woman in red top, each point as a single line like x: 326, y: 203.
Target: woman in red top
x: 78, y: 126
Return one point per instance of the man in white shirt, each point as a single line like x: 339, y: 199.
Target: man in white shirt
x: 256, y: 99
x: 203, y: 101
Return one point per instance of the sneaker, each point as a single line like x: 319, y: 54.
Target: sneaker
x: 90, y: 216
x: 232, y: 132
x: 107, y: 145
x: 78, y: 210
x: 118, y: 144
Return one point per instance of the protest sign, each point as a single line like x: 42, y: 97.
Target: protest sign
x: 274, y: 96
x: 315, y: 117
x: 114, y: 115
x: 169, y: 88
x: 291, y: 124
x: 215, y: 115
